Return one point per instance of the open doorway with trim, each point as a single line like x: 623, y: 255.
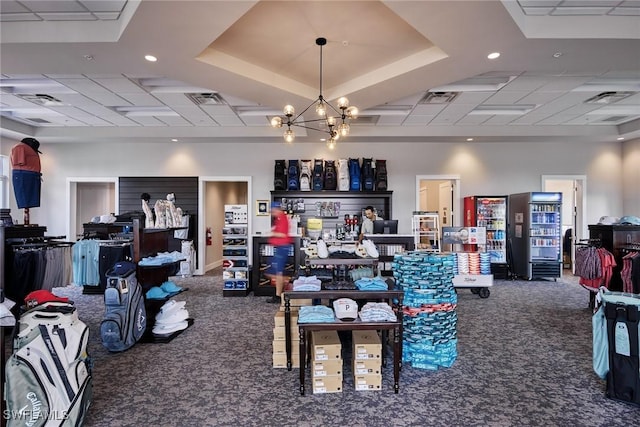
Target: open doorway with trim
x: 574, y: 202
x: 441, y: 194
x: 88, y: 197
x: 215, y: 192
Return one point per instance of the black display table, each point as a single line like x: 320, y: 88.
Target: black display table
x: 393, y: 297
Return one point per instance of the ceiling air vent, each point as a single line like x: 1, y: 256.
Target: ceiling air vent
x: 37, y: 120
x: 608, y: 97
x: 438, y: 97
x: 207, y: 98
x: 42, y: 99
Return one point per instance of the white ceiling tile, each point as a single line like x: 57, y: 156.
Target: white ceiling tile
x: 452, y: 114
x: 506, y: 97
x: 255, y: 120
x: 427, y: 109
x: 194, y: 115
x: 527, y: 83
x: 499, y: 120
x: 471, y: 97
x: 590, y: 3
x: 539, y: 97
x: 107, y: 16
x: 147, y: 121
x: 228, y: 120
x: 174, y: 121
x: 104, y: 5
x: 53, y: 6
x: 537, y: 11
x: 625, y: 11
x: 393, y: 120
x: 141, y: 99
x: 416, y: 120
x: 66, y: 16
x: 11, y: 6
x: 119, y: 84
x: 83, y: 116
x: 19, y: 17
x: 573, y: 11
x: 174, y: 99
x: 217, y: 110
x: 472, y: 120
x: 536, y: 3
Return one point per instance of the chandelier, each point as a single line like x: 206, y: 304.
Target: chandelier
x: 335, y: 121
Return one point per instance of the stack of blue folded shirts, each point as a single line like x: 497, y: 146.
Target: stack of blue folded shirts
x: 375, y: 284
x: 377, y: 312
x: 162, y: 258
x: 315, y: 314
x: 307, y: 283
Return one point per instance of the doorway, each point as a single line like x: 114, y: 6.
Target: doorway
x: 87, y: 198
x: 215, y: 192
x: 573, y: 189
x: 441, y: 194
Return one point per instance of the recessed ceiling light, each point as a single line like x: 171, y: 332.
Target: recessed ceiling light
x: 469, y: 139
x: 620, y: 138
x: 557, y: 54
x: 88, y: 57
x: 150, y: 58
x: 174, y: 140
x: 493, y: 55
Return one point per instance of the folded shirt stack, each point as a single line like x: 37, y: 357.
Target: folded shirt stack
x: 171, y: 318
x: 315, y: 314
x: 377, y: 312
x: 162, y: 258
x: 369, y: 284
x: 307, y: 283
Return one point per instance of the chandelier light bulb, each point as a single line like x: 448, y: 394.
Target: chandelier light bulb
x: 289, y: 136
x: 276, y: 122
x: 352, y: 112
x: 343, y: 129
x: 321, y: 109
x: 289, y: 110
x: 331, y: 144
x: 331, y: 121
x: 343, y: 103
x: 334, y: 135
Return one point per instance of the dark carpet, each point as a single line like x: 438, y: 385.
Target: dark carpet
x: 524, y: 359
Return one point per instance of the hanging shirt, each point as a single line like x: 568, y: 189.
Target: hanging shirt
x: 25, y: 158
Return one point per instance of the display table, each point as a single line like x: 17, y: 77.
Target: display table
x: 393, y: 297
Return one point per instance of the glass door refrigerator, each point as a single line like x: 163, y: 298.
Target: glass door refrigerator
x: 535, y: 234
x: 490, y: 212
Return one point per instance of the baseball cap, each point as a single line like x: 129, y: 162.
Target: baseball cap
x: 33, y: 143
x: 41, y: 296
x: 276, y: 205
x: 345, y: 309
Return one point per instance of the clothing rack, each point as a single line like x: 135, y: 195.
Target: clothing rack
x: 589, y: 242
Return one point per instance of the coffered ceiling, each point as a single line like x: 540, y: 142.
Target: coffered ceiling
x: 74, y: 71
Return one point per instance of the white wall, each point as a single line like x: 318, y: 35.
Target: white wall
x: 631, y: 177
x: 484, y: 168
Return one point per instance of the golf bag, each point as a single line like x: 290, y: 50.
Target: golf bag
x: 368, y: 174
x: 616, y: 346
x: 381, y: 175
x: 330, y: 175
x: 279, y: 176
x: 318, y: 175
x: 354, y: 174
x: 125, y: 317
x: 305, y: 175
x: 343, y: 175
x: 48, y: 376
x: 293, y: 176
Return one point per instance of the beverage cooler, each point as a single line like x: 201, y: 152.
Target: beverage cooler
x: 489, y: 212
x: 535, y: 233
